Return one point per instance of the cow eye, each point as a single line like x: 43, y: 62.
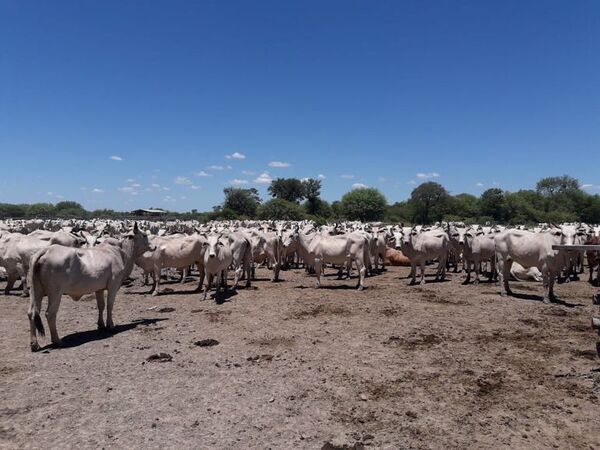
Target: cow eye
x: 468, y: 235
x: 455, y: 235
x: 205, y: 244
x: 558, y: 233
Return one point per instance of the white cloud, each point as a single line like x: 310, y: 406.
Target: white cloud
x: 127, y: 189
x: 97, y: 190
x: 168, y: 199
x: 279, y: 164
x: 202, y: 173
x: 155, y: 185
x: 359, y: 186
x: 427, y: 175
x: 479, y: 184
x: 347, y: 176
x: 165, y: 188
x: 131, y: 180
x: 116, y: 158
x: 248, y: 172
x: 587, y: 186
x: 182, y: 181
x: 183, y: 197
x: 237, y: 181
x: 195, y: 187
x: 136, y: 185
x: 236, y: 155
x: 382, y: 179
x: 264, y: 178
x: 217, y: 167
x: 321, y: 176
x: 412, y: 182
x: 83, y: 189
x: 50, y: 193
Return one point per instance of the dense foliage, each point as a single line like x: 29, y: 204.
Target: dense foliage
x: 555, y: 199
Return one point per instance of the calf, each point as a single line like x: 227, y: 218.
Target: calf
x: 217, y: 259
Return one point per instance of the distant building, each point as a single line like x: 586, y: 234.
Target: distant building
x: 151, y: 212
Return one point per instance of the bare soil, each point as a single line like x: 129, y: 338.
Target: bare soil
x: 283, y: 365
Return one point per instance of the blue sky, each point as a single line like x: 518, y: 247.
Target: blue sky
x: 127, y: 104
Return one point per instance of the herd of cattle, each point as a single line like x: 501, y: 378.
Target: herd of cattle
x: 79, y: 257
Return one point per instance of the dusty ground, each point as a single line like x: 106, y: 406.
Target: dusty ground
x: 443, y: 366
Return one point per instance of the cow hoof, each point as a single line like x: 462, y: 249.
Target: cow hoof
x: 154, y: 294
x: 102, y: 327
x: 35, y: 347
x: 361, y: 288
x: 546, y: 300
x: 503, y: 294
x: 58, y: 343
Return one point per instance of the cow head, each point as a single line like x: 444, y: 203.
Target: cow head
x: 290, y: 238
x: 141, y: 243
x: 213, y: 245
x: 470, y: 235
x: 457, y: 234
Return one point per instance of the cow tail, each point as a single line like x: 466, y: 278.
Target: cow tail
x: 35, y: 290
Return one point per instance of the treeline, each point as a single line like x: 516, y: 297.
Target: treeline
x: 555, y: 199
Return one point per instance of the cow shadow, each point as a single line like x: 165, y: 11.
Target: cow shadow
x: 223, y: 297
x: 84, y: 337
x: 539, y: 298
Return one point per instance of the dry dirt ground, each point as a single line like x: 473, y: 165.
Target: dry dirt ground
x: 395, y: 366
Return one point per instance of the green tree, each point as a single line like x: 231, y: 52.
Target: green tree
x: 365, y: 204
x: 290, y: 189
x: 465, y: 206
x: 312, y: 191
x: 399, y: 212
x: 551, y: 186
x: 524, y: 206
x: 493, y: 204
x: 279, y: 209
x: 243, y: 202
x: 45, y: 210
x: 429, y: 202
x: 318, y: 208
x: 70, y: 209
x: 8, y: 210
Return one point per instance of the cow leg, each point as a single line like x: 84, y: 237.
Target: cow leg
x: 10, y: 282
x: 422, y: 267
x: 238, y: 272
x: 25, y: 287
x: 442, y: 267
x: 318, y: 268
x: 110, y: 303
x: 100, y: 302
x: 201, y: 274
x: 362, y: 271
x: 549, y: 282
x: 224, y: 274
x: 35, y: 306
x: 504, y: 276
x: 155, y: 290
x: 184, y: 274
x: 209, y: 279
x: 413, y: 273
x: 51, y: 314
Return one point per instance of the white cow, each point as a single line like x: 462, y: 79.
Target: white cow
x: 341, y: 250
x: 426, y: 245
x: 217, y: 259
x: 533, y: 250
x: 479, y: 247
x: 58, y: 270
